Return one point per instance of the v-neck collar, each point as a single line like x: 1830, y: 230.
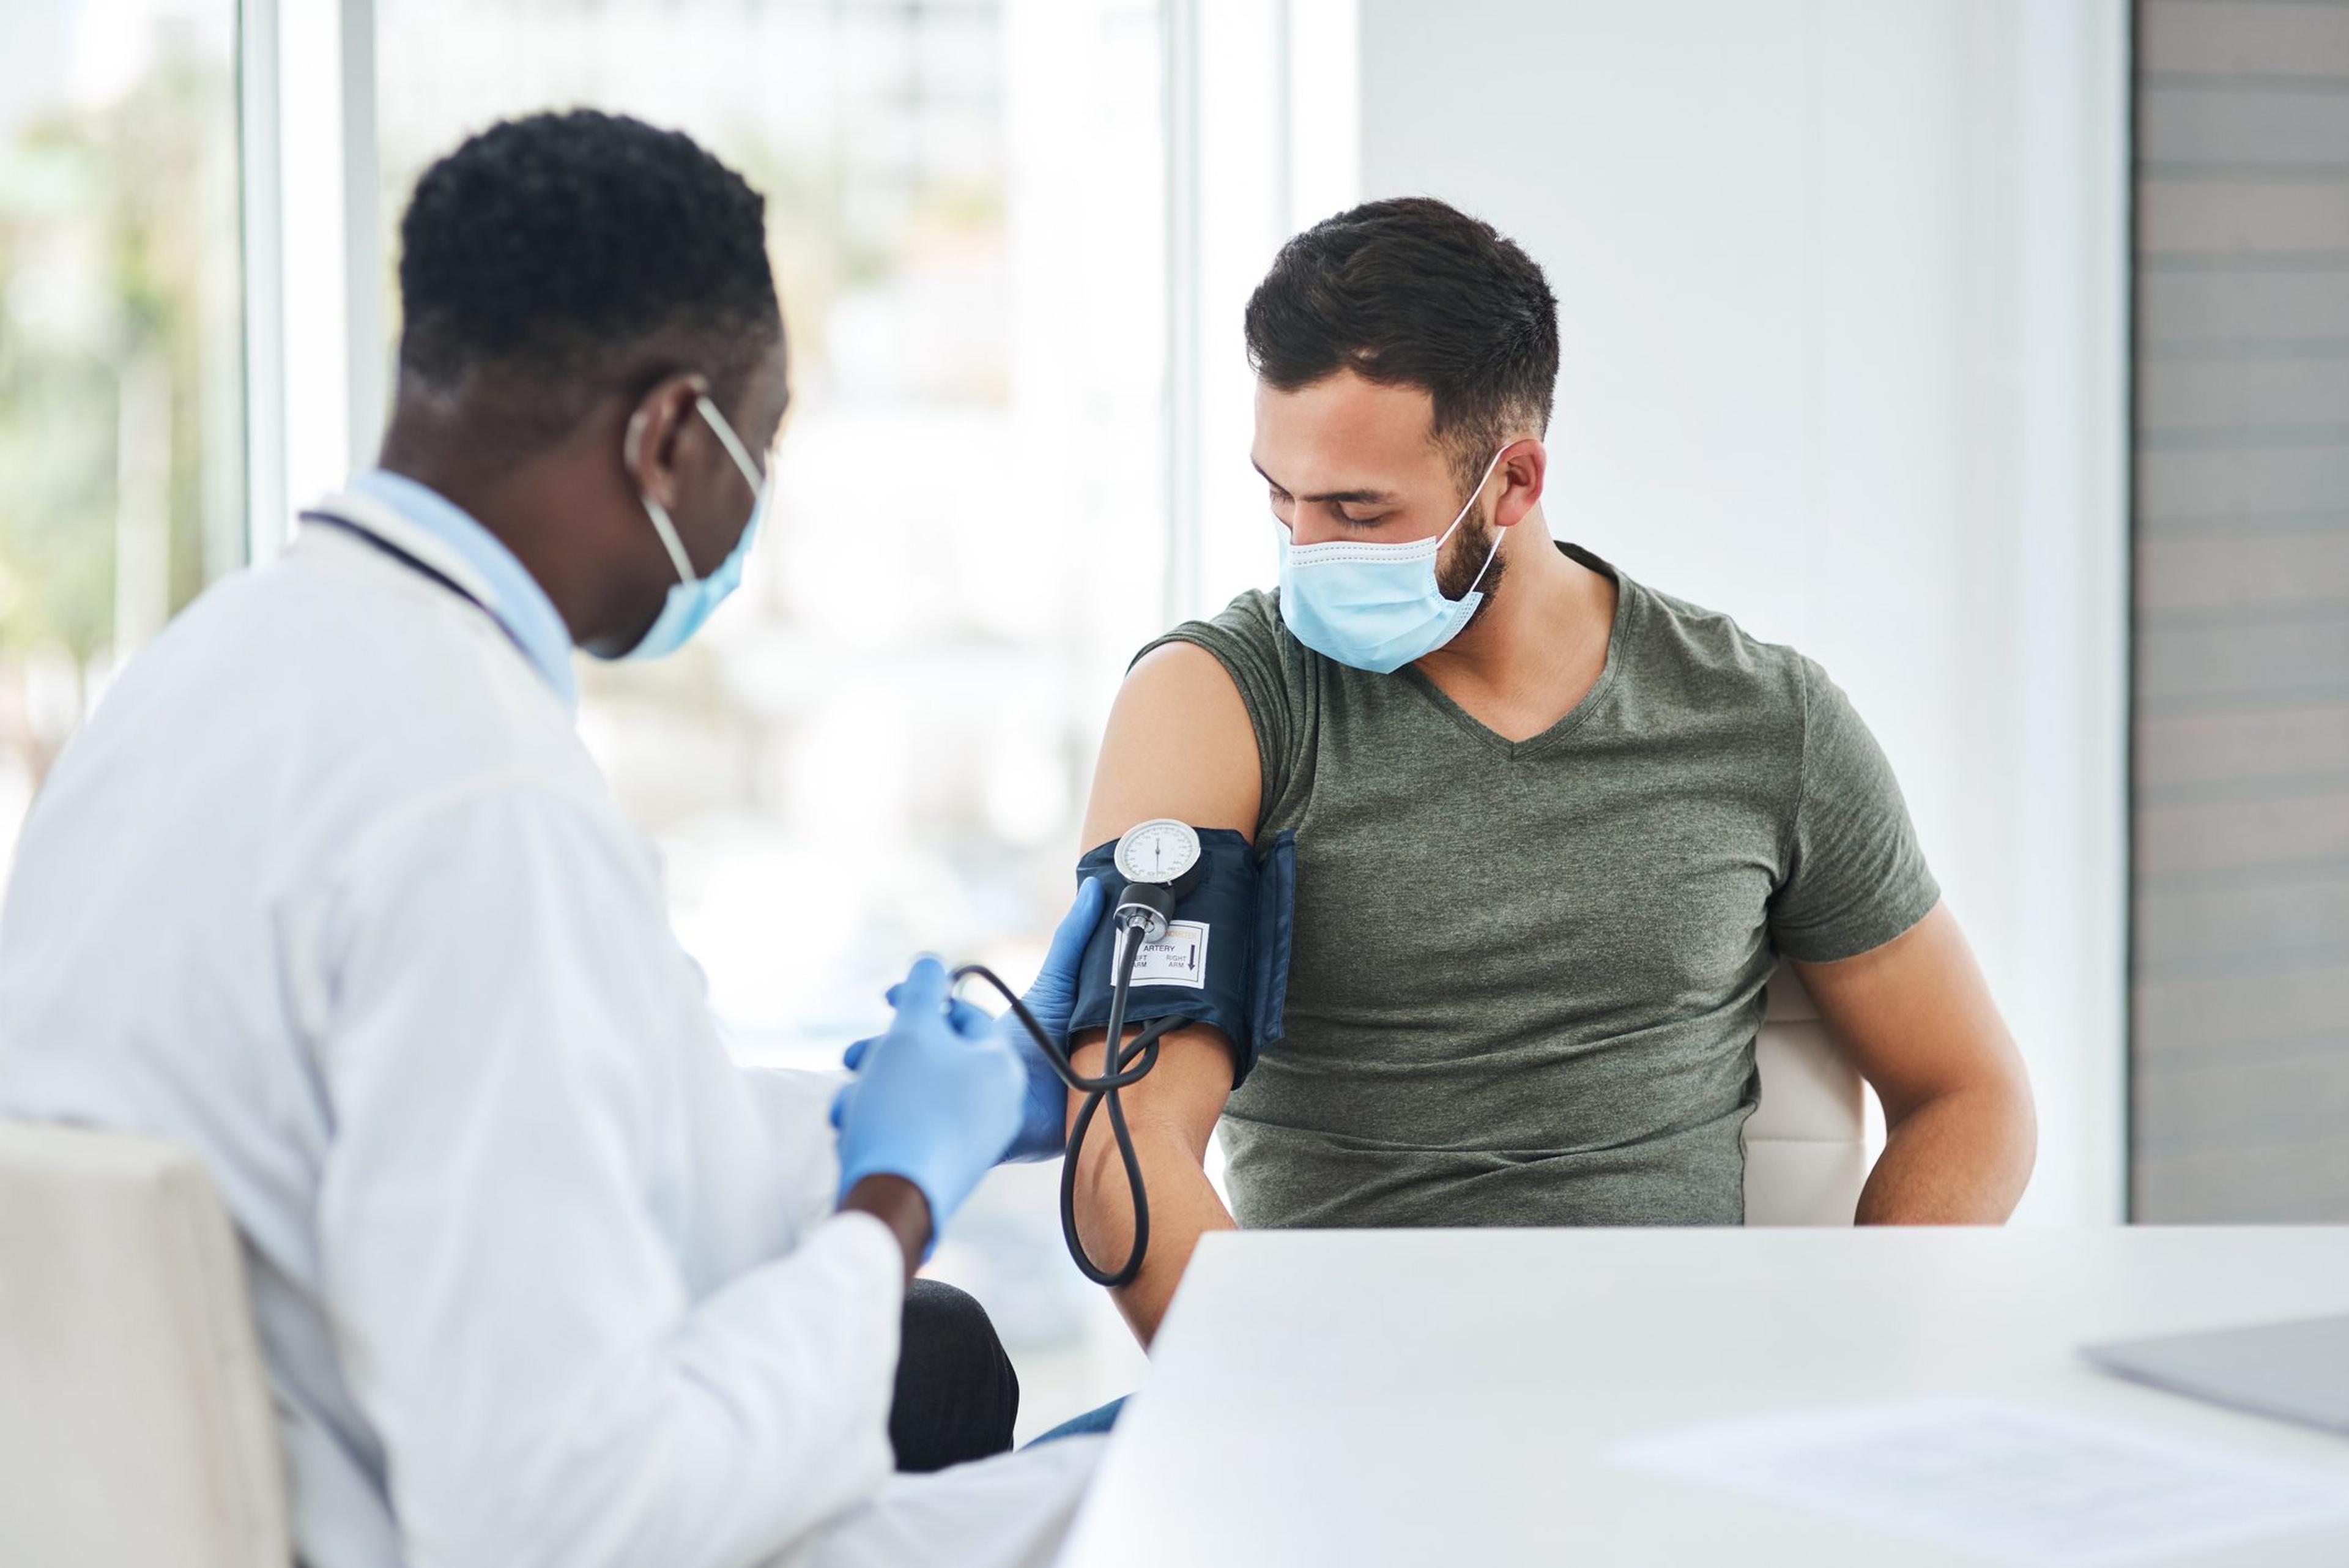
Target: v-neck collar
x: 1574, y: 717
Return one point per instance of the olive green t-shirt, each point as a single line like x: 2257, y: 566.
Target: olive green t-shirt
x: 1526, y: 978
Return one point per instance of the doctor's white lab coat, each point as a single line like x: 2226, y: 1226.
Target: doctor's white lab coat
x: 330, y: 890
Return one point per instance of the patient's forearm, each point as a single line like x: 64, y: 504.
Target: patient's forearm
x: 1960, y: 1159
x: 1171, y: 1114
x: 1182, y: 1208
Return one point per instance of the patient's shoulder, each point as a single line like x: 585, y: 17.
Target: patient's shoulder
x: 1247, y: 639
x: 1685, y: 652
x: 1254, y: 618
x: 1179, y: 743
x: 1212, y: 701
x: 1181, y: 687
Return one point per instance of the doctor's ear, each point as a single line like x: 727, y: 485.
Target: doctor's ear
x: 648, y: 448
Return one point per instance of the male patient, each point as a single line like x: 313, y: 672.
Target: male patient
x: 1554, y: 828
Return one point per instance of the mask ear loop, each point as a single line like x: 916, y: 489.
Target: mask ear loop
x: 1496, y: 550
x: 751, y: 473
x: 654, y: 509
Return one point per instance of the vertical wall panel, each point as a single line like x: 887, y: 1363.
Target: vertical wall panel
x: 2239, y: 1046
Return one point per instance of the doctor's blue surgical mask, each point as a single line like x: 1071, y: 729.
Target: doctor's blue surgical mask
x: 691, y: 598
x: 1377, y: 606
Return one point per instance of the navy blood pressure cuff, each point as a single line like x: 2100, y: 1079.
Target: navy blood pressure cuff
x: 1225, y: 958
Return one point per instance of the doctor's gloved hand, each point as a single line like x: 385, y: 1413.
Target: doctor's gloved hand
x: 1044, y: 1125
x: 1044, y: 1120
x: 937, y: 1099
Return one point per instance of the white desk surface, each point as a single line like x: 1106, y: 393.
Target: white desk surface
x: 1449, y: 1396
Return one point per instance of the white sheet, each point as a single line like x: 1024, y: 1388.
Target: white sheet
x: 2013, y: 1484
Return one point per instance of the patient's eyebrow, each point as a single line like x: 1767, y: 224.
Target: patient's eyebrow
x: 1341, y: 497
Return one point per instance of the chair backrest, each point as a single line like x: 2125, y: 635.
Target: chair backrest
x: 135, y: 1418
x: 1807, y: 1141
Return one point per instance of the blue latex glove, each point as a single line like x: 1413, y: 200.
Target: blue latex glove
x: 1044, y: 1119
x: 1044, y: 1122
x: 937, y: 1099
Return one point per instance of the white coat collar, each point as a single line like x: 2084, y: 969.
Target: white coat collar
x: 369, y: 516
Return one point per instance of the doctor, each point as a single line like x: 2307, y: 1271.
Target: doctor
x: 330, y: 890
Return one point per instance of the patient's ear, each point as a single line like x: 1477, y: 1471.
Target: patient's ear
x: 1522, y: 471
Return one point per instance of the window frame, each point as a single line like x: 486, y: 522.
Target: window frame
x: 316, y: 375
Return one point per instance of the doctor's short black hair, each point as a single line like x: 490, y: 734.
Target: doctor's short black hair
x: 1413, y: 292
x: 561, y: 250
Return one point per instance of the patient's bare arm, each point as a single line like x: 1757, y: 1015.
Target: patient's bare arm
x: 1178, y: 745
x: 1170, y: 1114
x: 1918, y: 1019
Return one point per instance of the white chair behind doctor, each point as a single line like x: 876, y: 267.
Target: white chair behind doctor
x: 135, y: 1422
x: 1807, y: 1141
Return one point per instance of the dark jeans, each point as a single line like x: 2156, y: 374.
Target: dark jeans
x: 957, y: 1396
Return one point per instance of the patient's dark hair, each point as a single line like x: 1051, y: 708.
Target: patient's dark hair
x: 553, y: 249
x: 1412, y: 292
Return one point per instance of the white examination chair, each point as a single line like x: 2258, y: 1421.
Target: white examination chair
x: 135, y: 1421
x: 1807, y: 1141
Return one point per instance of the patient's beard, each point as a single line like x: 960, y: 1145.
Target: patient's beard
x: 1464, y: 557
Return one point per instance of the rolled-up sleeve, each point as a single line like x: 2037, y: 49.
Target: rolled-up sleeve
x: 497, y: 1232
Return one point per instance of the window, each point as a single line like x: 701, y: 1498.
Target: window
x: 121, y: 425
x: 881, y: 745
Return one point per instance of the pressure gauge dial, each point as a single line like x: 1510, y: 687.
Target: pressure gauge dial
x: 1162, y: 851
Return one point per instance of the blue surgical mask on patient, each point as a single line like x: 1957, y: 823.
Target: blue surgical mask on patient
x: 691, y: 598
x: 1377, y: 606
